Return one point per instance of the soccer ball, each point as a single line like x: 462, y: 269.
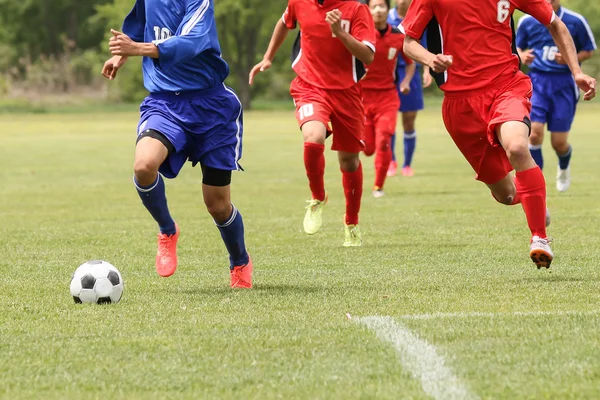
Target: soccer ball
x: 96, y: 282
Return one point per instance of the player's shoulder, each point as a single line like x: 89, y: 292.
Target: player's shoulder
x: 570, y: 14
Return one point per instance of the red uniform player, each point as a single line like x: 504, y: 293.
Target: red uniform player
x: 487, y: 98
x: 337, y: 40
x: 380, y: 96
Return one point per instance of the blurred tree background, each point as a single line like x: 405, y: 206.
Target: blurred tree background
x: 56, y: 48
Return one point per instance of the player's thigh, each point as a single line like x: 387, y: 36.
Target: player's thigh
x: 215, y: 128
x: 563, y: 107
x: 385, y: 125
x: 560, y: 141
x: 541, y: 101
x: 347, y: 120
x: 467, y: 122
x: 537, y: 133
x: 313, y: 111
x: 161, y: 142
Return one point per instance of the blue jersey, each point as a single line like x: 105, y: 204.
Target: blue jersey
x: 531, y: 34
x: 185, y: 33
x: 395, y: 20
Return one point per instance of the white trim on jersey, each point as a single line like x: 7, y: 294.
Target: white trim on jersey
x: 401, y: 29
x: 584, y: 22
x: 297, y: 58
x: 187, y: 28
x: 369, y: 45
x: 553, y: 17
x: 354, y: 72
x: 522, y: 19
x: 442, y: 44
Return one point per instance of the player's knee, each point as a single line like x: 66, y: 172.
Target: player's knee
x: 384, y: 143
x: 504, y: 198
x: 218, y: 207
x: 349, y: 162
x: 145, y: 171
x: 369, y: 149
x: 517, y: 151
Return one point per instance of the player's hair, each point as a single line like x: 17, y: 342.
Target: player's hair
x: 387, y: 2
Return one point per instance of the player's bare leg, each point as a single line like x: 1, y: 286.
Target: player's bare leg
x: 231, y: 226
x: 314, y: 133
x: 560, y: 144
x: 410, y: 140
x: 352, y: 179
x: 536, y: 140
x: 150, y: 153
x: 530, y: 188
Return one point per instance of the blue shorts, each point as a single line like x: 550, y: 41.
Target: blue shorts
x: 203, y: 127
x: 414, y: 100
x: 554, y: 100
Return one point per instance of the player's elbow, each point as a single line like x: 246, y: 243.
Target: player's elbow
x: 368, y: 57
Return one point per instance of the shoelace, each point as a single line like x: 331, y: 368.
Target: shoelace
x: 312, y: 203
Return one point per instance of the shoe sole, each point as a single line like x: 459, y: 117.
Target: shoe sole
x: 541, y: 258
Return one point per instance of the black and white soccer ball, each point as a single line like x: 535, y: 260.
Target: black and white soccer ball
x: 97, y: 282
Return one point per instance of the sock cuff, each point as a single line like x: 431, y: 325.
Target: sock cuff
x: 314, y: 145
x: 535, y: 147
x: 234, y: 214
x: 410, y: 135
x: 146, y: 189
x: 529, y: 180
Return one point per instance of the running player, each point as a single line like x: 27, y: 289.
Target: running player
x: 189, y: 115
x: 555, y: 94
x: 337, y: 40
x: 487, y: 98
x: 380, y: 96
x: 410, y: 103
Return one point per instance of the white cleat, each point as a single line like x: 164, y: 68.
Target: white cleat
x: 563, y: 179
x: 378, y: 192
x: 313, y: 219
x: 540, y: 252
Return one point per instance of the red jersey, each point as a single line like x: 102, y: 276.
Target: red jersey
x: 478, y: 34
x: 323, y: 60
x: 381, y: 73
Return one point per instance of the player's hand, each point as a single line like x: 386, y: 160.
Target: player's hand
x: 559, y: 59
x: 260, y: 67
x: 334, y: 19
x: 121, y: 45
x: 404, y: 87
x: 527, y: 57
x: 109, y: 71
x: 427, y: 79
x: 440, y: 63
x: 587, y: 84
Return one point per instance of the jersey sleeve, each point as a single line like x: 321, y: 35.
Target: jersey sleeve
x: 135, y: 22
x: 538, y: 9
x: 522, y: 39
x: 418, y: 16
x: 192, y: 36
x: 584, y: 38
x: 362, y: 27
x: 289, y: 16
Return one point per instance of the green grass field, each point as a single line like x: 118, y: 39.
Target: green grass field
x: 440, y: 257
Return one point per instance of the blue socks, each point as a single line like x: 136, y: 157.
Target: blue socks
x: 232, y: 232
x: 410, y: 143
x: 155, y: 201
x: 536, y: 153
x: 565, y: 159
x: 393, y: 146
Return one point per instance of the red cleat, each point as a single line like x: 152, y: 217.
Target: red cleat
x: 407, y: 171
x: 166, y: 255
x: 241, y: 276
x: 392, y: 169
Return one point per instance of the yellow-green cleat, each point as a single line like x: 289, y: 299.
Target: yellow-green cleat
x: 353, y: 238
x: 313, y: 220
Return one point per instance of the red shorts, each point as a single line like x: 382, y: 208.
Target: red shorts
x: 472, y: 121
x: 342, y: 108
x: 381, y: 110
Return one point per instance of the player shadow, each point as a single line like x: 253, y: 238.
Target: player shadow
x: 272, y: 289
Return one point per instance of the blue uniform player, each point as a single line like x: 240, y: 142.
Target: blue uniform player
x: 410, y: 103
x: 190, y: 115
x: 555, y: 94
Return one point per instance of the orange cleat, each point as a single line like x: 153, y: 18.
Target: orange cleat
x: 392, y: 169
x: 407, y: 171
x: 241, y: 276
x: 166, y: 255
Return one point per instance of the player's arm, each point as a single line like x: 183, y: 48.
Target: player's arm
x: 284, y: 25
x: 411, y: 69
x: 279, y: 34
x: 526, y: 53
x: 564, y: 41
x: 415, y: 50
x: 362, y: 50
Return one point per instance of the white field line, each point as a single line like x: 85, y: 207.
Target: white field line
x: 419, y: 358
x: 498, y: 314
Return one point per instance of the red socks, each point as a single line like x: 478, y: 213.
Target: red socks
x: 353, y: 188
x: 314, y: 162
x: 531, y: 191
x: 383, y: 158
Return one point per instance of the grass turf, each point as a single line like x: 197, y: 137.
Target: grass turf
x: 436, y: 242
